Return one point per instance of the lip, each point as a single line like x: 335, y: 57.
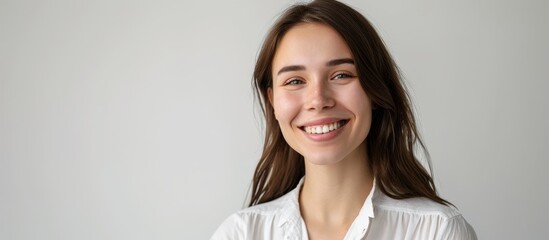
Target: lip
x: 325, y: 136
x: 322, y: 121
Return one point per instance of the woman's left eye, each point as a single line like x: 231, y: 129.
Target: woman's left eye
x: 342, y: 75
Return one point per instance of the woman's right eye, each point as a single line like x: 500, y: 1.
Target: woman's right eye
x: 294, y: 81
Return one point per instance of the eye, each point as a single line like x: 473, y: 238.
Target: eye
x: 342, y: 75
x: 294, y: 81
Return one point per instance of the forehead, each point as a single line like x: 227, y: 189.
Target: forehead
x: 310, y: 44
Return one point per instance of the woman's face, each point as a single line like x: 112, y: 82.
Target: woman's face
x: 322, y: 110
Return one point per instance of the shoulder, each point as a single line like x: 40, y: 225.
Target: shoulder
x: 415, y: 206
x: 429, y: 217
x: 255, y: 221
x: 267, y: 208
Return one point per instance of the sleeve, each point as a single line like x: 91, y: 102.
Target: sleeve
x: 456, y: 228
x: 233, y: 227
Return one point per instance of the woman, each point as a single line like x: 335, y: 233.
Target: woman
x: 338, y: 160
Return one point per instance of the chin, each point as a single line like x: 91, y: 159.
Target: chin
x: 322, y: 159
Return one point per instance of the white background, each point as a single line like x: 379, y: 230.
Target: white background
x: 135, y: 119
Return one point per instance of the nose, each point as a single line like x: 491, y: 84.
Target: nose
x: 319, y: 96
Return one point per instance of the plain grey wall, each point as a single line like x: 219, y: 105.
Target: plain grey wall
x: 135, y: 119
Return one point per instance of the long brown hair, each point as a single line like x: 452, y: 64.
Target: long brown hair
x: 393, y: 133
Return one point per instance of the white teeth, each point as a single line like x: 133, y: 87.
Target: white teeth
x: 322, y: 128
x: 325, y: 129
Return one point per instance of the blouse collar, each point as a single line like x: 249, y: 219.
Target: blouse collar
x: 292, y: 221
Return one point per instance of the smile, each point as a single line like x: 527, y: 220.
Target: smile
x: 323, y: 129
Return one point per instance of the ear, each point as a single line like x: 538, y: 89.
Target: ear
x: 270, y: 95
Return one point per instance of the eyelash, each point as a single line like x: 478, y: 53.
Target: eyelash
x: 342, y: 75
x: 296, y: 81
x: 293, y: 82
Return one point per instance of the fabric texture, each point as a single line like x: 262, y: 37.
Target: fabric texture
x: 381, y: 217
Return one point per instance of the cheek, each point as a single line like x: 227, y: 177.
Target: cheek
x: 358, y: 101
x: 286, y: 107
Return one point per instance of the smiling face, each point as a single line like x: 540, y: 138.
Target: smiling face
x: 323, y: 112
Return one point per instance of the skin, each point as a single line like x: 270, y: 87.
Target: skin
x: 315, y: 81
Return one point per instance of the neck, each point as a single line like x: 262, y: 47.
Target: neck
x: 334, y: 194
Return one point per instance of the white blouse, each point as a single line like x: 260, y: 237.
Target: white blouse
x: 381, y: 217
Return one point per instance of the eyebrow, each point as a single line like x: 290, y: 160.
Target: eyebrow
x: 291, y: 68
x: 340, y: 61
x: 330, y: 63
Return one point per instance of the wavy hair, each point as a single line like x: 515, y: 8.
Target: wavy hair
x: 393, y: 133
